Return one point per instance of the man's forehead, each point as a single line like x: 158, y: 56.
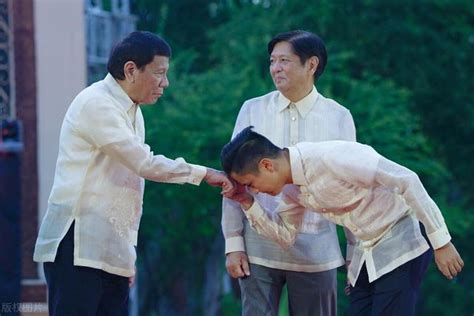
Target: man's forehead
x: 282, y: 49
x: 160, y: 62
x: 276, y: 54
x: 242, y: 178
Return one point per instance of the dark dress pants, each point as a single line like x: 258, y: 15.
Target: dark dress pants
x: 309, y: 294
x: 83, y: 291
x: 393, y: 294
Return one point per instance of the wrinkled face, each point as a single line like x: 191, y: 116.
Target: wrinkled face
x: 287, y: 72
x: 264, y: 182
x: 151, y: 81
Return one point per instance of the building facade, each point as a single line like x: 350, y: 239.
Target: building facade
x: 49, y: 51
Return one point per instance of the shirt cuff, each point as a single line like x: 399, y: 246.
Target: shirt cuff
x: 197, y: 174
x: 234, y: 244
x: 440, y: 237
x: 254, y: 212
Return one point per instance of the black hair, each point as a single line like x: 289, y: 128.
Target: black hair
x: 243, y: 153
x: 305, y: 45
x: 141, y: 47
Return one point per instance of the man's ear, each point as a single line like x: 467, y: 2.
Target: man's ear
x: 267, y: 164
x: 129, y: 70
x: 313, y: 63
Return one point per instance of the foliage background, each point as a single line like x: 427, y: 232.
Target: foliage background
x: 404, y: 69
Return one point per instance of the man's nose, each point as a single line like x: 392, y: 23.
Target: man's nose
x: 164, y: 83
x: 275, y: 67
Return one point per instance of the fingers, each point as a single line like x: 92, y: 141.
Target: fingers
x: 227, y: 195
x: 235, y: 271
x: 444, y: 268
x: 452, y: 271
x: 245, y: 266
x: 447, y: 273
x: 237, y: 264
x: 131, y: 281
x: 233, y: 266
x: 227, y: 188
x: 452, y: 268
x: 347, y: 289
x: 448, y: 260
x: 217, y: 178
x: 456, y: 266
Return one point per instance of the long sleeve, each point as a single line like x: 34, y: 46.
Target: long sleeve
x: 360, y: 165
x: 407, y: 183
x: 282, y: 225
x: 348, y: 132
x: 107, y: 129
x: 232, y: 216
x: 140, y: 159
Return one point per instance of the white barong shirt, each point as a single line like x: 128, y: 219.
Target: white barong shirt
x: 99, y: 180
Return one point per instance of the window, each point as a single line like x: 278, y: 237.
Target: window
x: 107, y: 21
x: 7, y: 92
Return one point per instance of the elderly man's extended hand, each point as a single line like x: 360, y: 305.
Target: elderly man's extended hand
x: 241, y: 195
x: 218, y: 178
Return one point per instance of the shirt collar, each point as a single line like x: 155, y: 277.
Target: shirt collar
x: 117, y: 91
x: 303, y: 106
x: 296, y: 165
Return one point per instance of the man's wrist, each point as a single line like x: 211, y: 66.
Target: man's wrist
x: 208, y: 173
x: 447, y: 245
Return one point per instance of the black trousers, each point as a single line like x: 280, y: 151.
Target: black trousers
x: 83, y: 291
x: 393, y: 294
